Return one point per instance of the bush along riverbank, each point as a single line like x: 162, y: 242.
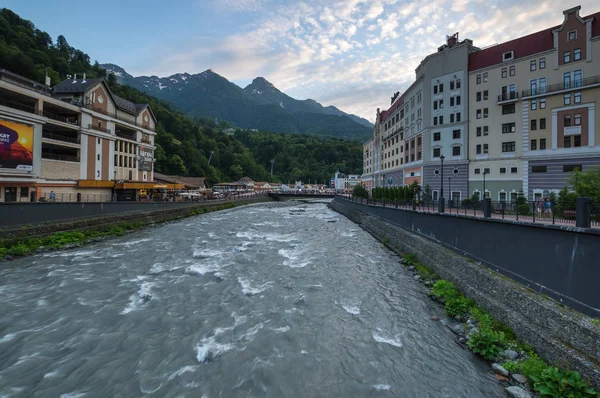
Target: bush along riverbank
x: 11, y: 248
x: 515, y: 364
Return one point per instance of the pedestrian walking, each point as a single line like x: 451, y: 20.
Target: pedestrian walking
x: 51, y: 196
x: 548, y: 208
x: 540, y: 205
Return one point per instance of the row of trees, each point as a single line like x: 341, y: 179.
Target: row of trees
x: 403, y: 194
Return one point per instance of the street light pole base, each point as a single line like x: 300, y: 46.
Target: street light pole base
x: 441, y: 203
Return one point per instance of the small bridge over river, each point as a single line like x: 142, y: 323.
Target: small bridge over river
x: 300, y: 195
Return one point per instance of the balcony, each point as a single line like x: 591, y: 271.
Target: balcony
x: 565, y: 86
x: 97, y: 128
x: 73, y: 120
x: 508, y: 98
x: 58, y: 156
x: 114, y: 115
x: 60, y: 137
x: 146, y: 141
x: 19, y: 106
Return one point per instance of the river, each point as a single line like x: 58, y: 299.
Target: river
x: 270, y: 300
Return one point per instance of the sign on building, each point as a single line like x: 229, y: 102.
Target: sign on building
x: 16, y: 146
x: 146, y: 156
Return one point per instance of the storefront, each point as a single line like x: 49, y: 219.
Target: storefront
x: 146, y: 191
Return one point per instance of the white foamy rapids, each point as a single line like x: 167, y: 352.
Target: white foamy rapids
x: 351, y: 309
x: 181, y: 371
x: 212, y: 235
x: 74, y: 394
x: 203, y: 268
x: 271, y: 237
x: 281, y: 330
x: 382, y: 387
x: 248, y: 290
x: 143, y: 295
x: 378, y: 337
x: 289, y: 254
x: 158, y: 268
x: 208, y: 349
x: 77, y: 253
x: 347, y: 234
x: 207, y: 253
x: 132, y: 242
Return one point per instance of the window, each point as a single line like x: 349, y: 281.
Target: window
x: 567, y: 99
x: 478, y: 96
x: 542, y: 85
x: 538, y: 169
x: 435, y: 121
x: 441, y: 103
x: 504, y: 72
x: 567, y: 120
x: 542, y: 103
x: 456, y: 134
x: 419, y: 141
x: 24, y: 192
x: 458, y: 117
x: 567, y: 142
x: 533, y: 105
x: 478, y: 131
x: 485, y: 130
x: 441, y: 119
x: 451, y: 101
x: 533, y: 65
x: 577, y: 54
x: 567, y: 79
x: 485, y: 77
x: 485, y: 148
x: 455, y: 151
x: 577, y: 119
x: 485, y: 95
x: 508, y: 128
x: 457, y: 84
x: 435, y: 89
x: 577, y: 78
x: 508, y: 146
x: 435, y: 105
x: 478, y: 79
x: 543, y: 123
x: 458, y: 100
x: 98, y: 156
x: 567, y: 168
x: 508, y: 56
x: 533, y: 124
x: 576, y: 140
x: 577, y: 97
x: 502, y: 170
x: 441, y: 87
x: 508, y: 109
x: 478, y: 149
x: 485, y: 112
x: 511, y: 70
x: 542, y: 63
x: 452, y: 118
x: 542, y: 143
x: 572, y: 35
x: 533, y: 86
x: 533, y: 145
x: 486, y: 171
x: 452, y: 85
x: 477, y: 171
x: 514, y: 170
x: 436, y: 152
x: 436, y: 136
x: 567, y: 57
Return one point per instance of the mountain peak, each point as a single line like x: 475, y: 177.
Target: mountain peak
x: 261, y: 81
x: 115, y: 70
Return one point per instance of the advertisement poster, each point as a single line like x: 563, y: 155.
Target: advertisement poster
x: 16, y: 146
x: 145, y: 163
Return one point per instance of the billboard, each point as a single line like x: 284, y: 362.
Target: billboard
x: 145, y: 163
x: 16, y: 146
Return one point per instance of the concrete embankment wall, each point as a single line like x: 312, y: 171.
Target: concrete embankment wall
x: 147, y: 215
x: 535, y: 256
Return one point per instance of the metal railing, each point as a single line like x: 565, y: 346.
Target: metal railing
x: 98, y: 128
x: 60, y: 137
x: 55, y: 156
x: 510, y: 96
x: 73, y: 197
x: 73, y: 120
x: 521, y: 211
x: 571, y: 85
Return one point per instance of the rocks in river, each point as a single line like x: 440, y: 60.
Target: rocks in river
x: 9, y: 258
x: 519, y: 378
x: 428, y: 283
x: 411, y: 268
x: 417, y: 277
x: 435, y: 318
x: 501, y: 378
x: 458, y: 329
x: 498, y: 369
x: 517, y: 392
x: 510, y: 354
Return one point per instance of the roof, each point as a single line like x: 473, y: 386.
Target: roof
x: 395, y: 106
x: 72, y: 86
x: 245, y: 179
x: 189, y: 182
x: 523, y: 47
x: 125, y: 105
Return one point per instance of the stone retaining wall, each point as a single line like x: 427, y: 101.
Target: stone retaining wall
x: 560, y: 335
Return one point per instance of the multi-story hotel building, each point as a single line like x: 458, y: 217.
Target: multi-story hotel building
x: 367, y: 180
x: 519, y: 115
x: 75, y: 138
x: 533, y: 110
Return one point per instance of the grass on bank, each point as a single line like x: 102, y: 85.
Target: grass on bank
x: 492, y: 337
x: 24, y: 246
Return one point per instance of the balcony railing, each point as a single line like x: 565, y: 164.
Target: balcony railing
x: 74, y: 120
x: 31, y: 109
x: 115, y: 115
x: 56, y: 156
x: 59, y: 137
x: 98, y: 128
x: 512, y: 96
x: 572, y: 85
x: 146, y: 141
x: 127, y: 136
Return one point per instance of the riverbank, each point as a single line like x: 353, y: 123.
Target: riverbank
x: 35, y: 239
x: 560, y: 335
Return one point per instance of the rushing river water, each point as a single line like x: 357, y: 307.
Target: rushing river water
x: 275, y: 300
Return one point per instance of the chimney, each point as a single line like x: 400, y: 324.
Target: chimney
x: 47, y: 81
x: 452, y: 40
x: 83, y: 81
x: 75, y: 78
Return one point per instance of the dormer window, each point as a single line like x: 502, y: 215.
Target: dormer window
x: 572, y: 35
x: 508, y: 56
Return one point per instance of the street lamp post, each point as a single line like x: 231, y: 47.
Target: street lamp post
x: 441, y: 203
x: 484, y: 173
x: 450, y: 190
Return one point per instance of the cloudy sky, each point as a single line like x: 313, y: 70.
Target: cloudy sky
x: 353, y: 54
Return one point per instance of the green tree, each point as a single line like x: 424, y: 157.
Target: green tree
x: 587, y: 183
x: 359, y: 191
x: 427, y: 194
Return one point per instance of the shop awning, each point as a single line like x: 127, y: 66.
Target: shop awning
x: 147, y: 185
x: 95, y: 184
